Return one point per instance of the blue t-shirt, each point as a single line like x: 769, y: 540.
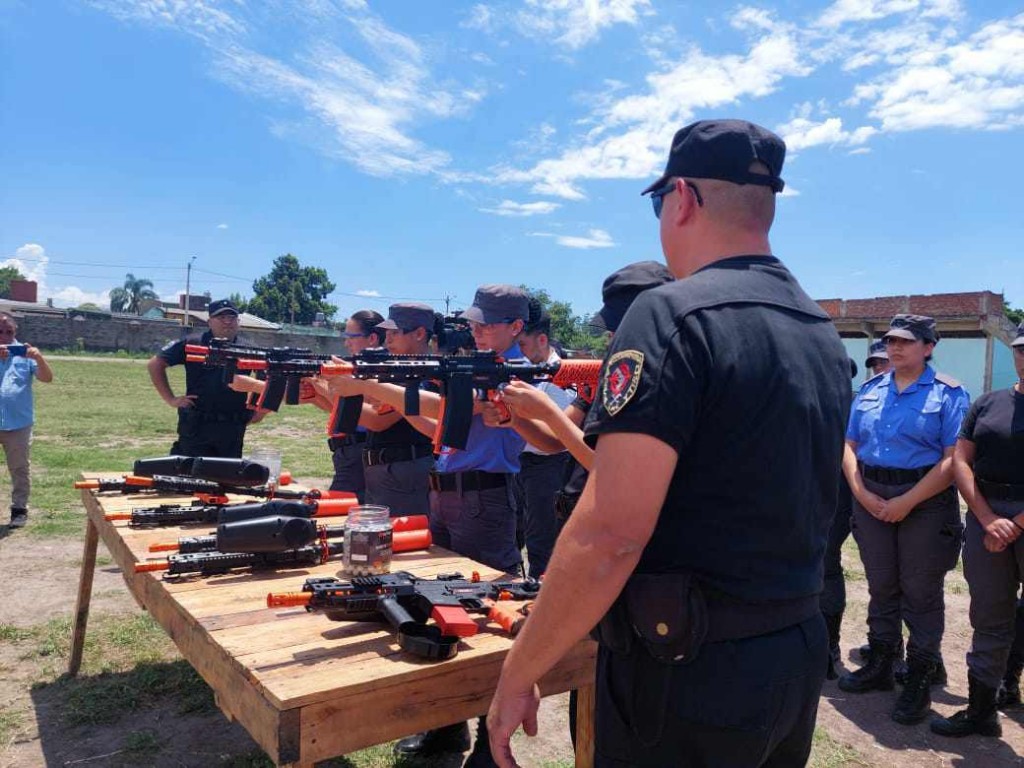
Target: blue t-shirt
x: 488, y: 449
x: 908, y: 429
x: 16, y: 392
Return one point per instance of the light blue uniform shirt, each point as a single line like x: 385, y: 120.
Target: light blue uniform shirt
x: 16, y: 392
x: 908, y: 429
x: 488, y: 449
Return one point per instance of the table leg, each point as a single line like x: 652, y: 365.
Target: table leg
x: 84, y: 596
x: 585, y: 726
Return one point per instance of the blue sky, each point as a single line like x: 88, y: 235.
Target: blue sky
x: 418, y: 149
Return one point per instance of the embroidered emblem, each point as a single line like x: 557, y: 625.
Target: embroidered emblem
x: 622, y: 377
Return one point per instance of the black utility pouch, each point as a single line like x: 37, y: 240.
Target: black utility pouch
x: 668, y: 614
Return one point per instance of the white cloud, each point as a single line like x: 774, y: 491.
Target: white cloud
x: 632, y: 133
x: 222, y: 226
x: 368, y: 293
x: 33, y: 262
x: 512, y: 208
x: 975, y: 83
x: 801, y: 133
x: 789, y: 191
x: 73, y: 296
x: 852, y: 11
x: 361, y: 109
x: 575, y: 23
x: 595, y: 238
x: 860, y: 151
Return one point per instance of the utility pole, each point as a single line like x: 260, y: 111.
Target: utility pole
x: 447, y: 305
x: 188, y: 288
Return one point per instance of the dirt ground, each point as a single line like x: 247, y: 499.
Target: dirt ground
x: 40, y: 582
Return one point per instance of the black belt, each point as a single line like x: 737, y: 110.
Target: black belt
x: 334, y: 443
x: 1001, y: 491
x: 473, y: 480
x: 889, y: 476
x: 730, y: 619
x: 389, y: 454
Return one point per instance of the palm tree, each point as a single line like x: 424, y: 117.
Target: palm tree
x: 128, y: 297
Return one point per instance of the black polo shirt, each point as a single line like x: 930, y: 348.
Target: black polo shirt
x: 995, y: 424
x: 207, y: 383
x: 745, y: 377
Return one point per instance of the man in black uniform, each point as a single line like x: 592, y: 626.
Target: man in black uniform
x: 211, y: 417
x: 700, y: 534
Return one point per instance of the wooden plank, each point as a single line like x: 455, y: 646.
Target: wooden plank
x: 397, y: 708
x: 84, y: 597
x: 585, y: 703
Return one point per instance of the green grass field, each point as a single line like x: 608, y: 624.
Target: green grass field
x: 100, y: 415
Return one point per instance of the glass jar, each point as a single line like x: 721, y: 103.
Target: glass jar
x: 367, y: 541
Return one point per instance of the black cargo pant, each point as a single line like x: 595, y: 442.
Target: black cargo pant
x: 347, y: 457
x: 833, y: 594
x: 906, y: 565
x: 994, y: 579
x: 210, y: 434
x: 539, y: 478
x: 747, y: 703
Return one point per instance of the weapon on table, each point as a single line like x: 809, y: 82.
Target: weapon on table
x: 206, y: 491
x: 272, y: 534
x: 234, y: 472
x: 209, y: 563
x: 407, y: 602
x: 215, y: 514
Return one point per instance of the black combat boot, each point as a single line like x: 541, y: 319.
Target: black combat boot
x: 450, y: 738
x: 876, y: 675
x: 938, y: 677
x: 833, y: 622
x: 1008, y: 696
x: 980, y: 717
x: 481, y: 756
x: 19, y: 517
x: 915, y: 701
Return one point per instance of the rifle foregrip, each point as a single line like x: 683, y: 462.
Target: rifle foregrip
x: 507, y: 615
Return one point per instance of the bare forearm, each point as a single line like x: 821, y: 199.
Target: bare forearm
x: 966, y: 483
x: 158, y: 375
x: 938, y: 479
x: 537, y: 434
x: 43, y: 371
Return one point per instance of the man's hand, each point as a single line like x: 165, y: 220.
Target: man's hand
x: 894, y: 510
x: 527, y: 401
x: 510, y: 709
x: 258, y: 416
x: 494, y: 415
x: 32, y: 353
x: 241, y: 383
x: 992, y: 544
x: 1003, y: 531
x: 345, y: 386
x: 185, y: 401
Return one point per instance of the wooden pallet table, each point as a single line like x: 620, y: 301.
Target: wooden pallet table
x: 306, y: 688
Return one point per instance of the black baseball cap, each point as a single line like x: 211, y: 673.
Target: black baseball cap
x: 913, y: 328
x: 621, y: 288
x: 876, y: 351
x: 220, y: 306
x: 499, y: 304
x: 408, y: 317
x: 1019, y: 341
x: 724, y: 149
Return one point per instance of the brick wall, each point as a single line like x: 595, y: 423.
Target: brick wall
x: 110, y: 334
x: 939, y: 305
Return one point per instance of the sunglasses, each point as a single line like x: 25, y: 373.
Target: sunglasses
x: 658, y: 195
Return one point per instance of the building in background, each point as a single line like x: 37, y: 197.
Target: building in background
x: 975, y: 334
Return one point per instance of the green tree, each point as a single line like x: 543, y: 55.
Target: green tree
x: 6, y: 275
x: 128, y: 297
x: 569, y: 330
x: 292, y: 293
x: 1015, y: 315
x: 239, y: 301
x: 89, y: 307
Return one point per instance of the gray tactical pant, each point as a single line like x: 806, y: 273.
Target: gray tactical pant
x: 480, y: 525
x: 539, y: 478
x: 994, y: 578
x: 906, y: 565
x: 401, y: 485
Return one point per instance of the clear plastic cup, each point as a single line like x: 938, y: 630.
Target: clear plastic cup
x: 271, y: 459
x: 368, y: 532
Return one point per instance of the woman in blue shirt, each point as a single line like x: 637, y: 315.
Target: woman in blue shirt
x: 906, y: 517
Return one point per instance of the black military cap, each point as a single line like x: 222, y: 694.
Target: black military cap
x: 913, y: 328
x: 499, y: 304
x: 1019, y: 341
x: 408, y: 317
x: 622, y: 287
x: 220, y: 306
x: 724, y: 149
x: 876, y: 351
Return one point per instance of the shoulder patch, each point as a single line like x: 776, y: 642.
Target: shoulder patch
x: 948, y: 380
x: 621, y: 378
x: 166, y: 347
